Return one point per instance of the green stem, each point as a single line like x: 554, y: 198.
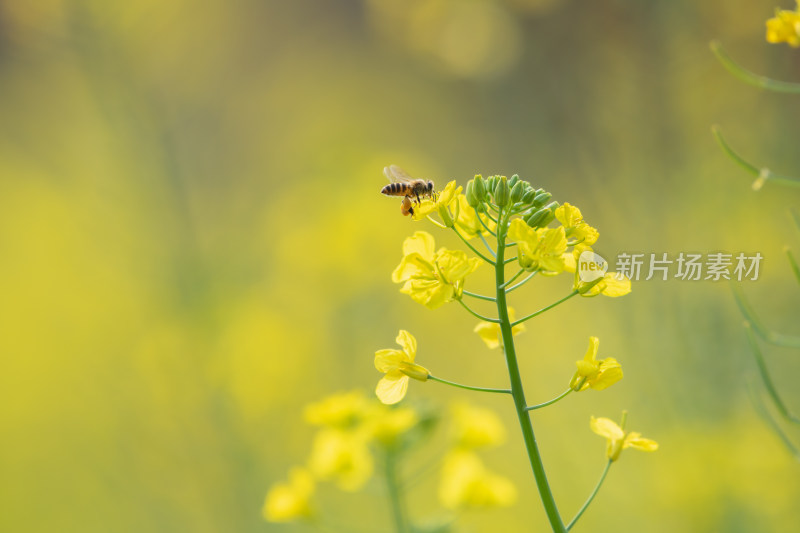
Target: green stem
x: 591, y: 496
x: 395, y: 496
x: 543, y: 309
x: 517, y: 391
x: 478, y: 296
x: 793, y: 263
x: 513, y: 278
x: 490, y: 261
x: 751, y: 77
x: 762, y: 174
x: 487, y: 245
x: 523, y: 282
x: 510, y: 260
x: 460, y: 386
x: 772, y: 337
x: 766, y: 379
x: 477, y: 214
x: 476, y: 315
x: 763, y: 412
x: 549, y: 402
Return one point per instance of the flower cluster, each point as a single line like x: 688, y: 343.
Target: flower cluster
x: 785, y: 27
x: 349, y: 425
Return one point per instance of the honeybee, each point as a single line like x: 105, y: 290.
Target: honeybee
x: 404, y: 185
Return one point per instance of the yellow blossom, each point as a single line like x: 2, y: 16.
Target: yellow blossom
x: 593, y: 373
x: 292, y: 500
x: 572, y: 220
x: 432, y: 278
x: 344, y: 410
x: 341, y: 456
x: 398, y: 366
x: 388, y: 424
x: 539, y: 249
x: 468, y: 220
x: 618, y: 439
x: 784, y: 27
x: 476, y: 427
x: 613, y: 284
x: 466, y: 483
x: 489, y: 332
x: 442, y: 201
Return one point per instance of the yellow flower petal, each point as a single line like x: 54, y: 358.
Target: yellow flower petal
x: 490, y: 333
x: 389, y: 360
x: 290, y: 501
x: 342, y: 457
x: 634, y: 440
x: 392, y: 387
x: 421, y: 243
x: 476, y: 427
x: 412, y: 266
x: 605, y: 427
x: 408, y: 342
x: 609, y: 373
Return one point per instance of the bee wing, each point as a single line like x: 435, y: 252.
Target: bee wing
x: 396, y: 174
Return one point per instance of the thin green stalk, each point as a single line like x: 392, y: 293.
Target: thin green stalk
x: 395, y: 496
x: 762, y: 174
x: 763, y: 412
x: 513, y: 278
x: 549, y: 402
x: 477, y: 214
x: 478, y: 296
x: 766, y: 379
x: 793, y: 263
x: 476, y: 315
x: 517, y: 391
x: 591, y: 496
x: 460, y: 386
x: 476, y: 252
x: 543, y: 309
x: 772, y: 337
x: 523, y: 282
x: 510, y: 260
x: 487, y: 245
x: 751, y: 77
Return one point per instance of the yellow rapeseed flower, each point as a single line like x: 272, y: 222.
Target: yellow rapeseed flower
x: 443, y: 200
x: 468, y: 221
x: 344, y: 410
x: 387, y: 424
x: 618, y: 439
x: 785, y: 27
x: 467, y: 483
x: 489, y: 332
x: 572, y: 220
x: 539, y: 249
x: 398, y: 366
x: 593, y: 373
x: 290, y: 501
x: 343, y: 457
x: 476, y: 427
x: 613, y: 284
x: 432, y: 278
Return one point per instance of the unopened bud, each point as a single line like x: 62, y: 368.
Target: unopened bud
x: 501, y: 192
x: 517, y: 191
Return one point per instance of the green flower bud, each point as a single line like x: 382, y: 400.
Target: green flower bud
x: 491, y: 184
x: 501, y: 192
x: 516, y: 192
x: 513, y: 181
x: 583, y: 288
x: 479, y: 188
x: 527, y: 198
x: 470, y: 194
x: 543, y: 216
x: 542, y: 198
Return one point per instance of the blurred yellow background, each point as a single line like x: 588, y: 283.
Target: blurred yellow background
x: 193, y: 247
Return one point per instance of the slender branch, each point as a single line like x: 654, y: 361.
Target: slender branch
x: 762, y: 174
x: 476, y: 315
x: 591, y: 496
x: 395, y: 497
x: 543, y: 309
x: 513, y: 278
x: 523, y: 282
x: 766, y: 379
x: 549, y: 402
x: 510, y: 260
x: 460, y: 386
x: 751, y: 77
x: 487, y: 244
x: 477, y: 214
x: 517, y: 390
x: 764, y: 413
x: 490, y: 261
x: 778, y: 339
x: 478, y: 296
x: 793, y: 264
